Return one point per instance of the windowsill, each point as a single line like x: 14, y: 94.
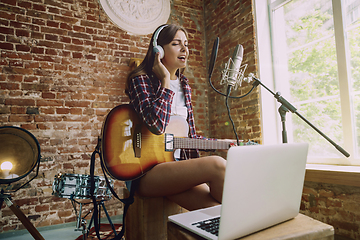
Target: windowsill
x: 341, y: 175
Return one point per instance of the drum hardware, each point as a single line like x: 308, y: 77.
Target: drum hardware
x: 81, y: 220
x: 19, y: 155
x: 76, y: 187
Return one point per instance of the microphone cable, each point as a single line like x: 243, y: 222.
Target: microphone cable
x: 227, y: 95
x: 229, y: 114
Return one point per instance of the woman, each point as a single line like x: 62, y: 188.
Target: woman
x: 160, y: 93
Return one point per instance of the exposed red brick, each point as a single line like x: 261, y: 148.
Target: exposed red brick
x: 22, y: 48
x: 22, y: 33
x: 11, y: 86
x: 42, y: 208
x: 7, y: 46
x: 7, y: 15
x: 7, y: 30
x: 20, y: 102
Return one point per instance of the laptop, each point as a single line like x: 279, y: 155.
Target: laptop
x: 263, y: 187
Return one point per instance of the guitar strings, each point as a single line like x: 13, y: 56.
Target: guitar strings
x: 188, y: 143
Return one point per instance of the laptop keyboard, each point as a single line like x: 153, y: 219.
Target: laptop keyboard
x: 209, y: 225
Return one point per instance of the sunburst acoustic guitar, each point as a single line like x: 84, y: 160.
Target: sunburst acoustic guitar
x: 129, y: 149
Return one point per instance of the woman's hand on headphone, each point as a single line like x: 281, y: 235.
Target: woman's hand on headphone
x: 161, y: 71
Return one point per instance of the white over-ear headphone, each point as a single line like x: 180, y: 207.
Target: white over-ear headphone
x: 156, y: 47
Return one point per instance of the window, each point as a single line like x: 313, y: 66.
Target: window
x: 309, y: 51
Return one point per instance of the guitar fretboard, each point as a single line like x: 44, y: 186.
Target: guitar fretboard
x: 192, y: 143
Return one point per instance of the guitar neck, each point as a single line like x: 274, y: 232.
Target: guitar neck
x: 192, y: 143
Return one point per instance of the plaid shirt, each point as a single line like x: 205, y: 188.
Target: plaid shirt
x: 153, y: 105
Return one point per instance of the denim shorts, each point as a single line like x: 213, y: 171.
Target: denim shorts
x: 128, y: 185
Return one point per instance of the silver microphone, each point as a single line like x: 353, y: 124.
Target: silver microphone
x: 233, y: 73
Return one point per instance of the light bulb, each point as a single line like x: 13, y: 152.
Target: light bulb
x: 6, y: 166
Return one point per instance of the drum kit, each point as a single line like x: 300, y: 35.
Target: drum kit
x: 76, y: 187
x: 20, y: 155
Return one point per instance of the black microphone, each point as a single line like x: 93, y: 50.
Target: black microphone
x: 213, y: 56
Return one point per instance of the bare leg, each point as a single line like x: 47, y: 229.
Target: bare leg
x: 195, y: 198
x: 184, y: 182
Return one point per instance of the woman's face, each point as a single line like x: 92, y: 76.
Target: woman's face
x: 176, y: 52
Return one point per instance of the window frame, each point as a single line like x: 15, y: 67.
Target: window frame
x: 270, y: 119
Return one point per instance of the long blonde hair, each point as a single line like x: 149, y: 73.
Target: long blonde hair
x: 166, y: 35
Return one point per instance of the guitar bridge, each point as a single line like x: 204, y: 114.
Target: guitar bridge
x: 169, y: 142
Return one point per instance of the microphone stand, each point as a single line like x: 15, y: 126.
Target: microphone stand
x: 286, y: 107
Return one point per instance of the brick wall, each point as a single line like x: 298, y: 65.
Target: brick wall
x: 337, y: 205
x: 232, y: 21
x: 63, y: 68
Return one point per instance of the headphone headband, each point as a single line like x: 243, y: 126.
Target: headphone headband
x: 157, y: 48
x: 156, y: 34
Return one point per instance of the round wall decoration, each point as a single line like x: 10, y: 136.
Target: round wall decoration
x: 139, y: 17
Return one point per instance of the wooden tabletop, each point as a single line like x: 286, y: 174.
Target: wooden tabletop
x: 299, y: 228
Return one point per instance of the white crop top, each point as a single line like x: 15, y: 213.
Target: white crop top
x: 178, y: 107
x: 177, y: 123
